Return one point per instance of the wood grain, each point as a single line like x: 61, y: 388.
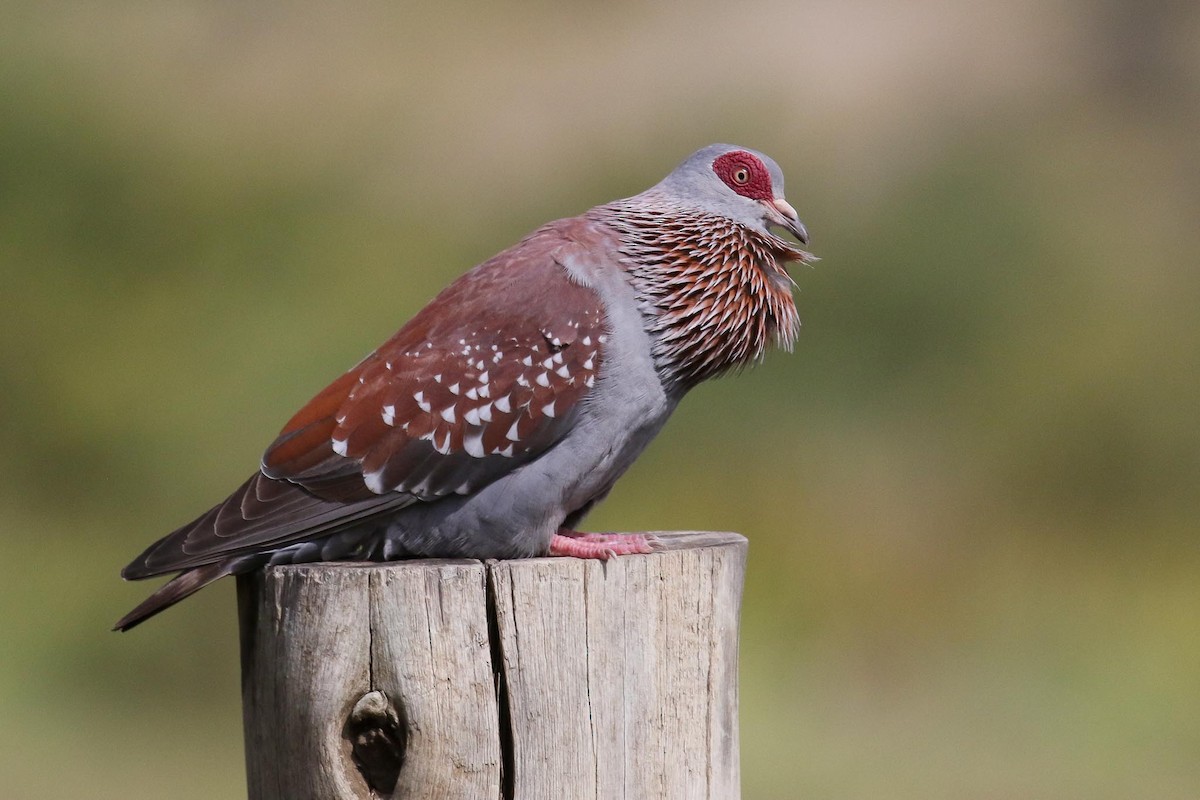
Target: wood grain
x: 524, y: 679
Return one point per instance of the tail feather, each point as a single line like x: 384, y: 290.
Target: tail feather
x: 174, y: 590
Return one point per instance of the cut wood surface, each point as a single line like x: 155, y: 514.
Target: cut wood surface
x: 523, y: 679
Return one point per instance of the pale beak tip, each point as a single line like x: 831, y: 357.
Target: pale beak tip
x: 791, y: 219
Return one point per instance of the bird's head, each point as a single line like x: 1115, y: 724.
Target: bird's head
x: 736, y: 183
x: 709, y: 270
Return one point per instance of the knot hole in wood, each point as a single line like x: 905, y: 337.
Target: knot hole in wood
x: 377, y: 735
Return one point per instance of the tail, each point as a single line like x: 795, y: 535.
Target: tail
x: 174, y: 590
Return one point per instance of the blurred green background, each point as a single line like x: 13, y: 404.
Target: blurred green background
x: 971, y: 493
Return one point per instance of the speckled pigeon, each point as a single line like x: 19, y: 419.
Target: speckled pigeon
x: 507, y: 407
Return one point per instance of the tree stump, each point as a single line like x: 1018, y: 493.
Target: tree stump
x: 523, y: 679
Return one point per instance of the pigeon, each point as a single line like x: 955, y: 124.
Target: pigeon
x: 500, y: 414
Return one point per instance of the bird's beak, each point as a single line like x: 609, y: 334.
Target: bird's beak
x: 780, y: 212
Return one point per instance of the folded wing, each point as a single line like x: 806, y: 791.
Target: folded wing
x: 484, y: 379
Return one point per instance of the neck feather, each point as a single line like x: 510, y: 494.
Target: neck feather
x: 713, y: 292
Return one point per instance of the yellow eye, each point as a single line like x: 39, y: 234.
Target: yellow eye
x: 741, y: 175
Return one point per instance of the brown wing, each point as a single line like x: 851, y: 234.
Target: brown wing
x: 482, y: 380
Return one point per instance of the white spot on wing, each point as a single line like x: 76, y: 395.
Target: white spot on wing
x: 420, y: 398
x: 527, y: 361
x: 448, y: 414
x: 485, y: 412
x: 472, y: 393
x: 442, y: 447
x: 339, y: 446
x: 503, y: 405
x: 389, y: 415
x: 512, y: 434
x: 472, y: 416
x: 563, y: 371
x: 473, y: 443
x: 454, y: 388
x: 548, y: 409
x: 374, y: 481
x: 542, y: 380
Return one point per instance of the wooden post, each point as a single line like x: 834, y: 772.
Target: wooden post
x: 525, y: 679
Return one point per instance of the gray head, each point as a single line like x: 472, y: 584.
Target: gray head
x: 735, y: 182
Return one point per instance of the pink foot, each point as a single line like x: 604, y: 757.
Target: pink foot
x: 600, y: 545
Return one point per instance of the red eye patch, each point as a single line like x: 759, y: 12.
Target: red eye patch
x: 745, y: 174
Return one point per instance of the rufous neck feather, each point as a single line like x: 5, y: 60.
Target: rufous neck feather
x: 714, y: 293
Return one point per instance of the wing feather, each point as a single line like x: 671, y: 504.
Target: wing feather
x: 484, y: 379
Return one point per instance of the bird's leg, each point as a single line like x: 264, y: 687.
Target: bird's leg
x: 600, y: 545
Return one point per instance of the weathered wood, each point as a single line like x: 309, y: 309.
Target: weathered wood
x: 320, y: 639
x: 548, y: 677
